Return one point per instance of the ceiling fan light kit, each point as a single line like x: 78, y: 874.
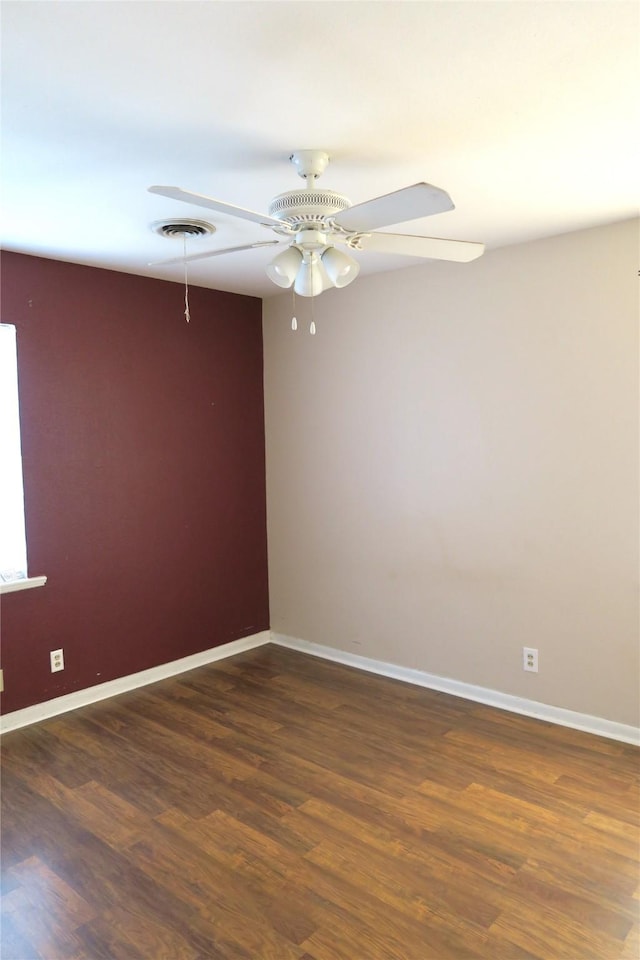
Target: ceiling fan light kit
x: 312, y: 222
x: 340, y: 267
x: 284, y: 269
x: 312, y: 277
x: 310, y: 280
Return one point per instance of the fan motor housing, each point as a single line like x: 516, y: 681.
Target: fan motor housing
x: 306, y: 207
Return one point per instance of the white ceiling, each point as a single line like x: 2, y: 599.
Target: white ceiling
x: 525, y: 112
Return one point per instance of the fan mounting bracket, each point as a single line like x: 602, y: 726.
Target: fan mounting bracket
x: 310, y: 164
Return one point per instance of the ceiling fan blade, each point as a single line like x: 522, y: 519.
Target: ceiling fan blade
x: 199, y: 200
x: 213, y: 253
x: 410, y: 203
x: 461, y: 251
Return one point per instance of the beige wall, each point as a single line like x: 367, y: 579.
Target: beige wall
x: 452, y: 469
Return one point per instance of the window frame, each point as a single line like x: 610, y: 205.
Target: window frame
x: 9, y: 582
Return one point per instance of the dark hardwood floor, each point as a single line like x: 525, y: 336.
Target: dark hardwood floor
x: 274, y: 806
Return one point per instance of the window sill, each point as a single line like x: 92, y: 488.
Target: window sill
x: 27, y: 584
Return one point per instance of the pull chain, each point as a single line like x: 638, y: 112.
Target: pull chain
x: 312, y: 328
x: 294, y: 319
x: 187, y: 315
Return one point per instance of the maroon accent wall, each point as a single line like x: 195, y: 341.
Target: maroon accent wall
x: 144, y: 471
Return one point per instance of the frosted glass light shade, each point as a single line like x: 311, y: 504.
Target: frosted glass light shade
x: 311, y: 280
x: 341, y: 268
x: 284, y: 268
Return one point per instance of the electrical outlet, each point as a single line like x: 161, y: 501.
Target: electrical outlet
x: 57, y: 660
x: 530, y: 659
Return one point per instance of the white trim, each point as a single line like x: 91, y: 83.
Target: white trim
x: 81, y: 698
x: 494, y: 698
x: 26, y: 583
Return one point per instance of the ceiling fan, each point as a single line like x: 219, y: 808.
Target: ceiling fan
x: 312, y: 222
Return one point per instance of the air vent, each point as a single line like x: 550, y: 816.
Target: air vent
x: 173, y: 229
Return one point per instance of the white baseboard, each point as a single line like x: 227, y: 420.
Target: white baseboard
x: 102, y: 691
x: 493, y: 698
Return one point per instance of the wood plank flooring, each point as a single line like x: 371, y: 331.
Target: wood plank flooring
x: 274, y: 806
